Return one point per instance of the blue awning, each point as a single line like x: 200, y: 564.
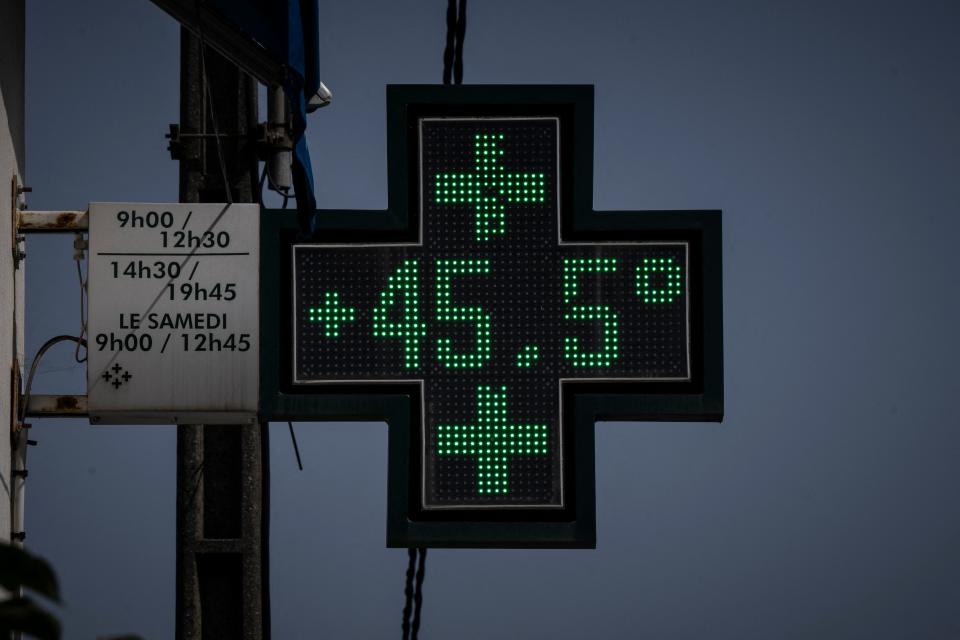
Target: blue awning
x: 289, y: 32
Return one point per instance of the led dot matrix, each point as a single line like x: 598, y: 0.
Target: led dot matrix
x: 492, y: 440
x: 331, y: 314
x: 491, y: 309
x: 446, y: 311
x: 403, y: 290
x: 489, y: 187
x: 669, y: 290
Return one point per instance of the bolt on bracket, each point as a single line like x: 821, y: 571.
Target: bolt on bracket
x: 16, y: 399
x: 16, y: 238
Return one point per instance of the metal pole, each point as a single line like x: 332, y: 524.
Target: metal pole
x: 221, y: 553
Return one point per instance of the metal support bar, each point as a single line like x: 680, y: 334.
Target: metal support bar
x: 52, y: 221
x: 54, y: 406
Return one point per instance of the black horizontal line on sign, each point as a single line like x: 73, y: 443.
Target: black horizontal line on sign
x: 182, y: 253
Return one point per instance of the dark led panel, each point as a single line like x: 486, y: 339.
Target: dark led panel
x: 491, y: 311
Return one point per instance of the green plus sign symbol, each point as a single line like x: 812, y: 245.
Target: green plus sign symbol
x: 492, y: 440
x: 489, y: 188
x: 331, y: 315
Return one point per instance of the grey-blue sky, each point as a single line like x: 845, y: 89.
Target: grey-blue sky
x: 824, y: 506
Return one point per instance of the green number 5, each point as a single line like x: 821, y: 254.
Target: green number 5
x: 446, y: 312
x: 572, y: 268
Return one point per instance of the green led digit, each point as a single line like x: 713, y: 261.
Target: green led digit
x: 610, y: 343
x: 489, y: 188
x: 446, y: 312
x: 670, y: 288
x: 492, y: 440
x: 403, y: 288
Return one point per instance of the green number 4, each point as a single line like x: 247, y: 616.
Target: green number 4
x: 403, y: 289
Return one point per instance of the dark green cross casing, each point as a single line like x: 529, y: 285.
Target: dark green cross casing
x: 491, y: 317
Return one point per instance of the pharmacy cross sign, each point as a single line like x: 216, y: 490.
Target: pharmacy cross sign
x: 491, y: 317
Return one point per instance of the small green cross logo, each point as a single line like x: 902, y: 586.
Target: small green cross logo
x: 331, y: 315
x: 492, y: 440
x: 489, y: 189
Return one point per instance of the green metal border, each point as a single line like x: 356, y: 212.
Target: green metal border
x: 698, y: 400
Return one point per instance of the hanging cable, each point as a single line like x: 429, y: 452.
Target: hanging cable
x: 461, y: 33
x: 453, y: 51
x: 263, y: 180
x: 413, y: 591
x: 33, y: 367
x: 79, y: 248
x: 451, y: 44
x: 418, y: 593
x: 408, y: 592
x: 296, y: 449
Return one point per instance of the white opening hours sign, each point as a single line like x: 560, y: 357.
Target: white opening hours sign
x: 173, y: 322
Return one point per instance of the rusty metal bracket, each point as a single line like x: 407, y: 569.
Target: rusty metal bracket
x: 52, y: 221
x: 54, y: 406
x: 23, y: 221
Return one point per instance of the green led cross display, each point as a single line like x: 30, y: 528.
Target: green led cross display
x: 491, y: 316
x: 492, y: 440
x: 331, y: 314
x: 489, y: 188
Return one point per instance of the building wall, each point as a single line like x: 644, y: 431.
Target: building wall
x: 11, y: 280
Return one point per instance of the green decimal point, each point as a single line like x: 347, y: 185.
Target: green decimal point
x: 528, y: 355
x: 669, y: 287
x: 489, y: 188
x: 331, y: 314
x: 493, y: 440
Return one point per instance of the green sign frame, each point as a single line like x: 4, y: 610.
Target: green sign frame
x: 583, y: 403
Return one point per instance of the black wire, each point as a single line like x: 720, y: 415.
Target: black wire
x: 456, y: 32
x: 448, y: 51
x: 263, y: 179
x: 461, y: 33
x: 296, y: 449
x: 418, y: 594
x: 33, y: 367
x: 408, y: 592
x: 83, y: 322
